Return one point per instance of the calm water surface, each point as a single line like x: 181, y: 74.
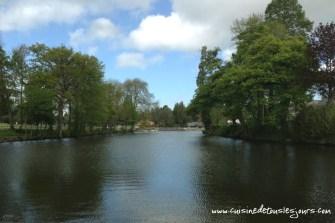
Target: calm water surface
x: 161, y: 177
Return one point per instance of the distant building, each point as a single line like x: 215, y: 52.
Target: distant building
x: 145, y: 124
x: 195, y: 125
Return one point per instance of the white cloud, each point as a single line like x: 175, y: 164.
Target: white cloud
x: 194, y: 23
x: 143, y: 5
x: 227, y: 53
x: 169, y: 33
x: 103, y: 28
x: 19, y: 15
x: 136, y: 60
x: 99, y: 29
x: 27, y: 14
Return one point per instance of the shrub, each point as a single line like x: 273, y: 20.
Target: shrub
x: 315, y: 123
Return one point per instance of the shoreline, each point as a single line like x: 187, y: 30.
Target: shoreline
x: 11, y: 139
x: 20, y: 138
x: 181, y: 129
x: 328, y: 143
x: 286, y: 141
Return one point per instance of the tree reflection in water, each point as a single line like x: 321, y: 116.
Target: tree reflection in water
x: 161, y: 177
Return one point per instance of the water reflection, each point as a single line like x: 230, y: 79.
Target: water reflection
x: 163, y: 177
x: 275, y: 175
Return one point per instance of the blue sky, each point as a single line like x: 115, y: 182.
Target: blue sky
x: 155, y: 40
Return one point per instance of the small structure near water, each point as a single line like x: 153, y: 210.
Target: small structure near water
x: 195, y: 125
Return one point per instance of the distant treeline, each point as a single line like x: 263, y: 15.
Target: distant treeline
x: 167, y: 117
x: 63, y: 92
x: 268, y: 89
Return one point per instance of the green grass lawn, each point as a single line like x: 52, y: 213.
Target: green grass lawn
x: 4, y: 126
x: 7, y: 133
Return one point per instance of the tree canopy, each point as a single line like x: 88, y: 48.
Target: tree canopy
x: 268, y: 84
x: 65, y: 90
x: 291, y: 14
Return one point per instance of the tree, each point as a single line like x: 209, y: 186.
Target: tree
x: 209, y: 64
x: 38, y: 62
x: 291, y: 14
x: 260, y: 88
x: 322, y: 43
x: 179, y: 114
x: 86, y: 95
x: 263, y: 81
x: 128, y: 112
x: 7, y: 89
x: 60, y: 65
x: 61, y: 86
x: 19, y: 71
x: 138, y: 93
x: 4, y: 91
x: 114, y: 100
x: 166, y: 117
x: 241, y: 28
x: 39, y: 104
x: 137, y: 98
x: 210, y: 69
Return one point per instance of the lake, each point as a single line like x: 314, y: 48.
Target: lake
x: 162, y: 177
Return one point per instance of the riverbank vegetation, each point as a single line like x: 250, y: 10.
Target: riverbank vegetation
x: 57, y: 92
x: 269, y: 88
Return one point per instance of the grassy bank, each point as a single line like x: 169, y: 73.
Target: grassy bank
x: 30, y: 135
x: 268, y: 135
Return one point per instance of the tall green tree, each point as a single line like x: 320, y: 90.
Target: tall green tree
x: 210, y: 68
x: 263, y: 81
x: 291, y: 14
x: 137, y: 98
x: 209, y: 64
x: 39, y: 104
x: 5, y: 103
x: 19, y: 72
x: 180, y: 115
x: 114, y: 100
x: 137, y: 91
x: 60, y: 65
x: 166, y: 117
x: 128, y: 112
x: 86, y: 97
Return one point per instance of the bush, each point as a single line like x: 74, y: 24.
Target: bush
x: 7, y: 133
x: 315, y: 123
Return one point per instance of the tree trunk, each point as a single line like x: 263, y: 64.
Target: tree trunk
x: 20, y: 110
x: 11, y: 119
x: 70, y: 126
x: 60, y: 119
x: 330, y: 94
x: 284, y: 114
x: 260, y: 109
